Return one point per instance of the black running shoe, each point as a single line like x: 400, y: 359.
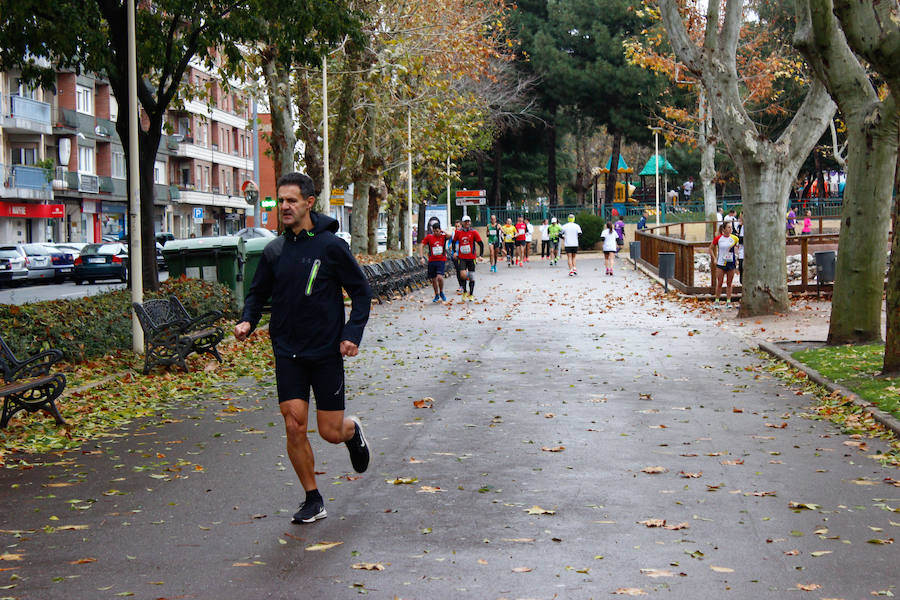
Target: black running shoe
x: 310, y: 511
x: 358, y: 448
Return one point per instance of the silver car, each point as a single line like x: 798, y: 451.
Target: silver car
x: 38, y: 261
x: 12, y: 266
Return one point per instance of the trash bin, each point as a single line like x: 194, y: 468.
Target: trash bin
x: 212, y: 259
x: 634, y: 250
x: 666, y: 267
x: 253, y: 250
x: 826, y: 261
x: 825, y: 266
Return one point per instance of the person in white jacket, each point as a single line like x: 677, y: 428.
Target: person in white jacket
x: 570, y: 232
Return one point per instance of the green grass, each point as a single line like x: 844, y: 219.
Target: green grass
x: 856, y: 368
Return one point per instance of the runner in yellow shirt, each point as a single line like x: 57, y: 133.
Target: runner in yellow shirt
x: 509, y: 241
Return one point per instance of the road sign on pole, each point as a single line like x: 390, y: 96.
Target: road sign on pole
x: 471, y: 197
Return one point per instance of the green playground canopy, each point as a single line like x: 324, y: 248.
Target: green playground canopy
x: 623, y: 167
x: 664, y: 166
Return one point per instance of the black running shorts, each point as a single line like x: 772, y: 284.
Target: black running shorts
x: 295, y: 376
x: 435, y: 268
x: 571, y: 249
x: 466, y: 264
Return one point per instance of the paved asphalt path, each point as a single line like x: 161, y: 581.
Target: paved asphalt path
x: 550, y: 393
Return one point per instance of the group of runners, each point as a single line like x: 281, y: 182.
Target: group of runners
x: 512, y: 241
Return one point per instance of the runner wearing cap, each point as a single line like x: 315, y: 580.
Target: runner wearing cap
x: 436, y: 241
x: 509, y: 241
x: 571, y: 231
x: 521, y: 232
x: 554, y: 231
x: 464, y: 241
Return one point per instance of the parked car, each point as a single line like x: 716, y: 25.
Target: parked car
x: 101, y: 261
x: 62, y: 261
x: 12, y: 266
x: 344, y: 236
x: 249, y: 233
x: 381, y: 235
x: 37, y: 260
x: 73, y: 248
x: 164, y: 237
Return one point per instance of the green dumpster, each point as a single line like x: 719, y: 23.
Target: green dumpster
x: 253, y: 250
x: 211, y: 258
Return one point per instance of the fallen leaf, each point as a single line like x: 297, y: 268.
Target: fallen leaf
x: 322, y: 546
x: 657, y: 573
x: 792, y: 553
x: 368, y: 566
x: 524, y: 540
x: 738, y: 461
x: 774, y: 426
x: 653, y: 522
x: 819, y: 553
x: 808, y: 587
x: 427, y: 489
x: 537, y: 510
x: 654, y: 470
x: 521, y: 569
x: 880, y: 541
x: 402, y: 480
x: 803, y: 505
x: 426, y: 402
x: 9, y: 556
x: 677, y: 526
x: 687, y: 475
x: 722, y: 569
x: 83, y: 561
x: 630, y: 592
x: 553, y: 449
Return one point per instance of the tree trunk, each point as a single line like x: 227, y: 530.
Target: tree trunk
x: 497, y: 157
x: 372, y: 221
x: 310, y: 133
x: 865, y: 217
x: 892, y: 303
x: 707, y: 165
x: 282, y: 139
x: 552, y: 195
x: 765, y: 186
x: 609, y: 195
x: 359, y: 229
x: 403, y: 224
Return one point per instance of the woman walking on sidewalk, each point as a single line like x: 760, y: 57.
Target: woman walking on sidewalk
x: 610, y: 246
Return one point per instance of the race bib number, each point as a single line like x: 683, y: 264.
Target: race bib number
x: 465, y: 249
x: 437, y: 250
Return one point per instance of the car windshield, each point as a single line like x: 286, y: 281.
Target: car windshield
x: 8, y: 253
x: 36, y: 250
x: 103, y: 249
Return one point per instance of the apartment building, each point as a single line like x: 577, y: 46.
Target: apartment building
x: 211, y: 157
x: 64, y: 172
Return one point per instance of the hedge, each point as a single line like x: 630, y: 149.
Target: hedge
x: 93, y: 326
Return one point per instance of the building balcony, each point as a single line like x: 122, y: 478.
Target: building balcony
x: 106, y: 185
x: 24, y: 115
x: 174, y: 192
x: 67, y: 119
x: 21, y: 181
x: 187, y: 149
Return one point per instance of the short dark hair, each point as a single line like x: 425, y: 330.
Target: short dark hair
x: 301, y: 180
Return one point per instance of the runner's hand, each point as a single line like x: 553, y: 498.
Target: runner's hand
x: 348, y: 348
x: 241, y: 330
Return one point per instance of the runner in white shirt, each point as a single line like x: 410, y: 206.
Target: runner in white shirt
x: 529, y: 237
x: 570, y: 233
x: 610, y: 247
x: 545, y: 239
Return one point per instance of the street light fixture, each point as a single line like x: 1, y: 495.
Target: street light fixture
x: 656, y: 131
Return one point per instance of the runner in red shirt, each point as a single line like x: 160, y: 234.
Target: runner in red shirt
x: 436, y: 242
x: 464, y: 241
x: 521, y: 232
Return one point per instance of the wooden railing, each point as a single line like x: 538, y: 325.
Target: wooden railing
x: 662, y: 239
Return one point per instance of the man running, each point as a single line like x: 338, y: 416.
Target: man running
x: 493, y: 238
x: 521, y: 232
x: 570, y: 232
x: 303, y: 271
x: 529, y: 238
x: 509, y: 241
x: 436, y: 242
x: 554, y: 231
x: 464, y: 241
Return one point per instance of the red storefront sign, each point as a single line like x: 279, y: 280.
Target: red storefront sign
x: 32, y: 211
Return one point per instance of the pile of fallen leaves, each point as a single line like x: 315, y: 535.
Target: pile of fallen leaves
x: 853, y: 419
x: 126, y: 395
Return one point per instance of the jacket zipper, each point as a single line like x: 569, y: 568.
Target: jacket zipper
x: 312, y: 276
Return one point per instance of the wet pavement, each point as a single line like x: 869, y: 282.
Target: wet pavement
x: 585, y: 438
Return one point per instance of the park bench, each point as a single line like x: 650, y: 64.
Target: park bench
x: 171, y: 333
x: 29, y: 385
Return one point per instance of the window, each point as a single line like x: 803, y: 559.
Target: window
x: 23, y: 90
x: 206, y: 178
x: 85, y: 159
x: 204, y: 135
x: 84, y: 99
x: 159, y: 172
x: 23, y: 156
x: 184, y: 126
x: 113, y: 109
x: 118, y: 165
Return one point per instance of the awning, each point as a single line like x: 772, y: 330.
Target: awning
x: 32, y: 211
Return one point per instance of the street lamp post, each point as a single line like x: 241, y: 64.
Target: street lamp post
x: 134, y: 181
x: 656, y: 161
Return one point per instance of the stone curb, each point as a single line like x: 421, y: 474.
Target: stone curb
x: 885, y: 418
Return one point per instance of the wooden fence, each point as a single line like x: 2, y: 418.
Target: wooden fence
x: 670, y: 238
